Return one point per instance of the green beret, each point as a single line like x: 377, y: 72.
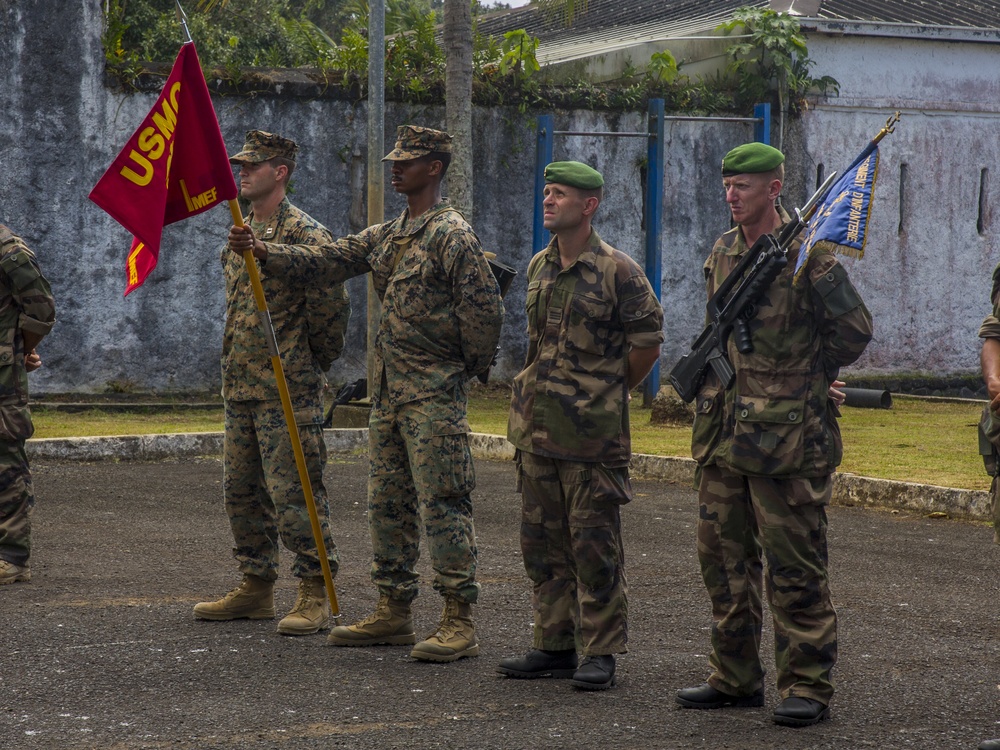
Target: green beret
x: 574, y: 174
x: 751, y: 158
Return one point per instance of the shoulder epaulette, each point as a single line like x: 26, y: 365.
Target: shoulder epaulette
x: 6, y: 235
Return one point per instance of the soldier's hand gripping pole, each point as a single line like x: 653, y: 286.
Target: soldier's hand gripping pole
x: 286, y: 405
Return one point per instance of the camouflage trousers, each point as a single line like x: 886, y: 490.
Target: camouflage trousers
x: 263, y: 494
x: 420, y: 475
x: 786, y: 518
x: 995, y: 507
x: 571, y: 541
x: 17, y: 500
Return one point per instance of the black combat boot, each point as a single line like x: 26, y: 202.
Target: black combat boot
x: 537, y: 663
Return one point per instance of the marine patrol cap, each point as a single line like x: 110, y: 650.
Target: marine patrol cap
x: 575, y: 174
x: 261, y: 146
x: 413, y: 141
x: 751, y: 158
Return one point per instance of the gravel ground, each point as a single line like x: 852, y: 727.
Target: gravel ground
x: 101, y: 651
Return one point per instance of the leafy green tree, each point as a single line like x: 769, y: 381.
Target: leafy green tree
x: 772, y: 56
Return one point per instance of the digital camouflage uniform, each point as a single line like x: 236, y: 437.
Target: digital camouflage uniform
x: 990, y: 422
x: 26, y: 304
x: 441, y: 319
x: 263, y: 493
x: 569, y: 422
x: 766, y: 450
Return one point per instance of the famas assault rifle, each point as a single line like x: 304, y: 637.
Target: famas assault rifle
x: 734, y: 304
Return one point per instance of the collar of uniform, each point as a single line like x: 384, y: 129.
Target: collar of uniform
x: 739, y: 245
x: 587, y: 257
x: 272, y: 224
x: 421, y: 221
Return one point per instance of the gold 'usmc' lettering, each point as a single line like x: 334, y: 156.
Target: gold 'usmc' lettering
x: 152, y: 141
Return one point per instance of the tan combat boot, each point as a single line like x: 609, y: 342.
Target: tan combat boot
x: 455, y: 637
x: 11, y: 573
x: 310, y: 613
x: 391, y: 623
x: 253, y: 599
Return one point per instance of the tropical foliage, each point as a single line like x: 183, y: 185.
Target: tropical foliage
x: 772, y: 57
x: 328, y: 40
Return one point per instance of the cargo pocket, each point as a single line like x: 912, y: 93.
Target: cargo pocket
x: 450, y: 446
x: 707, y: 423
x: 534, y: 482
x: 15, y: 423
x: 308, y: 416
x: 610, y: 485
x: 768, y: 437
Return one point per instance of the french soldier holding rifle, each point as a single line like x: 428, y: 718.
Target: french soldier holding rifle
x: 766, y: 444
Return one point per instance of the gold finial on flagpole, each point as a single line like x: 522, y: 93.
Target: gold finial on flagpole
x: 890, y: 126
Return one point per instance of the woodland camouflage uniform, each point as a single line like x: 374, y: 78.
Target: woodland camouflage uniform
x: 263, y: 493
x: 766, y: 449
x: 570, y: 404
x: 990, y: 422
x: 26, y: 304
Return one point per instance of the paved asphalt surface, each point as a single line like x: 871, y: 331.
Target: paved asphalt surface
x: 100, y: 650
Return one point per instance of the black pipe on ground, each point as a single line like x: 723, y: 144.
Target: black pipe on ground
x: 867, y: 398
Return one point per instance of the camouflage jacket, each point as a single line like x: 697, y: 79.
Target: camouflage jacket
x: 26, y: 304
x: 441, y: 308
x: 776, y: 419
x: 571, y: 399
x: 990, y: 329
x: 309, y: 319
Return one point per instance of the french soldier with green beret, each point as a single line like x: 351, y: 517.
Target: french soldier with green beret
x: 766, y: 448
x: 594, y: 332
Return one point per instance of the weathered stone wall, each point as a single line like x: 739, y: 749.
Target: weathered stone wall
x: 61, y: 124
x: 934, y: 240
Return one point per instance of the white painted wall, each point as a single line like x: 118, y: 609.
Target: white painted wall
x: 927, y: 268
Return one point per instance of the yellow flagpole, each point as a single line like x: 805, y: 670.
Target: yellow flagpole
x: 286, y: 405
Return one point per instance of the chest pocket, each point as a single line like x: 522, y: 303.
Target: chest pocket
x: 590, y: 321
x: 531, y: 308
x: 410, y: 297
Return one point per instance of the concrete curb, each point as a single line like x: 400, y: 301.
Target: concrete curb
x: 848, y: 489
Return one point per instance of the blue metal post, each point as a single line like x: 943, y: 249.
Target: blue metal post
x: 654, y: 221
x: 543, y: 157
x: 762, y: 129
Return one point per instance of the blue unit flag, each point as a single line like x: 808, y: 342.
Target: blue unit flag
x: 841, y: 221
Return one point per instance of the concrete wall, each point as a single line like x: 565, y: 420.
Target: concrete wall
x: 61, y: 124
x: 933, y: 242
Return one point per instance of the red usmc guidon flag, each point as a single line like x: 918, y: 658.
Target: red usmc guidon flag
x: 173, y: 167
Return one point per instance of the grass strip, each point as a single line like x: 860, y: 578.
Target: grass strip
x: 918, y: 440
